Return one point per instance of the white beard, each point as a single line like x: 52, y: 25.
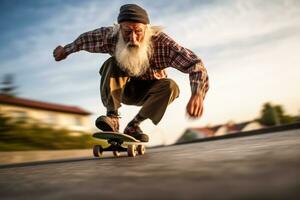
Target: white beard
x: 134, y: 60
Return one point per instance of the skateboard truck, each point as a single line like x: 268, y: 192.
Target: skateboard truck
x: 115, y: 142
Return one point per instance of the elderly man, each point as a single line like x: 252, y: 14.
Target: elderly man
x: 134, y: 74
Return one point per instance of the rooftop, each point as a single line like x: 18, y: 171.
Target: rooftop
x: 16, y: 101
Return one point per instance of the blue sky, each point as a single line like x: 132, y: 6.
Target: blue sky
x: 250, y: 48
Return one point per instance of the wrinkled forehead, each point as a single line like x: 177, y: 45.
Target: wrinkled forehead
x: 132, y: 26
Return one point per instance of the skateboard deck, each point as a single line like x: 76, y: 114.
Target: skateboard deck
x: 117, y: 142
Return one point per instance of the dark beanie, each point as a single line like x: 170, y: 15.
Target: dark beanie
x: 134, y: 13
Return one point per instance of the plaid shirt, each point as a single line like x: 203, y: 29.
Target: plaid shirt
x: 166, y: 53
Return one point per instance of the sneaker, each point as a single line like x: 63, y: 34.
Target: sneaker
x: 108, y: 123
x: 136, y: 132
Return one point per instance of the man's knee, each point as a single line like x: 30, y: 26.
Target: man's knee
x: 106, y: 65
x: 171, y: 87
x: 111, y: 68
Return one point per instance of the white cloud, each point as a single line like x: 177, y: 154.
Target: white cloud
x: 224, y: 23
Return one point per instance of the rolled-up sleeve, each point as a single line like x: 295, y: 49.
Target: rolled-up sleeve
x: 199, y: 80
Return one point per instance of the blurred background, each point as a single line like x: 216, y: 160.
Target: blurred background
x: 250, y: 49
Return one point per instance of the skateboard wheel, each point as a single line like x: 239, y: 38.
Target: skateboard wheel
x: 131, y: 150
x: 97, y: 150
x: 116, y: 153
x: 141, y: 149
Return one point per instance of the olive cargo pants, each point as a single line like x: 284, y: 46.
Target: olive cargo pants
x: 153, y: 95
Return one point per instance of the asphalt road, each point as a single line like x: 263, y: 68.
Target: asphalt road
x: 256, y: 167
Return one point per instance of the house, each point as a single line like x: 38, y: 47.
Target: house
x: 232, y: 127
x: 218, y: 130
x: 195, y: 133
x: 254, y: 125
x: 72, y: 118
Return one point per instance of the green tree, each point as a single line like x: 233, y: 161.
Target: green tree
x: 8, y: 86
x: 269, y: 115
x: 284, y: 118
x: 274, y: 115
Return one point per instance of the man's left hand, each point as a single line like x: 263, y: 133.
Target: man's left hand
x: 195, y: 106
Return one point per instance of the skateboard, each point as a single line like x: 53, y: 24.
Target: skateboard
x: 117, y: 142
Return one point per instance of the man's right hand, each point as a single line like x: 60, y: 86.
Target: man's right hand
x: 59, y: 53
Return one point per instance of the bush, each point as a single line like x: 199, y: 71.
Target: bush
x: 275, y: 115
x: 22, y: 135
